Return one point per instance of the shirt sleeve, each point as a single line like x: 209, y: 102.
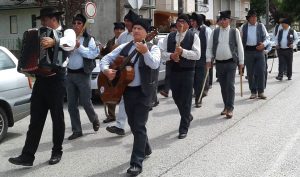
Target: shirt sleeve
x: 164, y: 47
x: 152, y: 57
x: 91, y: 52
x: 267, y: 40
x: 296, y: 39
x: 110, y: 58
x: 209, y: 54
x: 195, y: 52
x: 240, y: 47
x: 68, y: 41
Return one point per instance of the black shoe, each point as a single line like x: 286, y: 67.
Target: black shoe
x: 55, y: 158
x: 75, y: 135
x: 96, y: 125
x: 20, y: 161
x: 182, y: 135
x: 134, y: 170
x: 279, y: 78
x: 155, y: 103
x: 198, y: 105
x: 109, y: 119
x: 116, y: 130
x: 191, y: 117
x: 148, y: 153
x: 289, y: 78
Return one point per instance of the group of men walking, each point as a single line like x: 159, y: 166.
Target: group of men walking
x: 190, y: 51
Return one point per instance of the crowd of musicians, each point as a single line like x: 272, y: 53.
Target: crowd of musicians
x: 190, y: 51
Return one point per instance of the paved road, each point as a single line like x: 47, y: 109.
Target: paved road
x: 262, y: 139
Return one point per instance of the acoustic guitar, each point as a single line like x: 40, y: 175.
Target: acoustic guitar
x: 111, y: 91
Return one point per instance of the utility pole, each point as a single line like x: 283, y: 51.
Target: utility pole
x: 267, y: 14
x: 180, y: 7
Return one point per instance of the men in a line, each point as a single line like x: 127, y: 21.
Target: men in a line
x: 255, y: 37
x: 138, y: 94
x: 119, y: 28
x: 182, y: 48
x: 200, y: 69
x: 48, y: 94
x: 165, y: 91
x: 285, y: 40
x: 80, y: 67
x: 225, y: 45
x: 125, y: 37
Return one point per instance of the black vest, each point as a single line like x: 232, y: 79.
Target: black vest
x: 148, y: 75
x: 88, y: 64
x: 290, y: 37
x: 187, y: 44
x: 260, y: 34
x: 203, y: 41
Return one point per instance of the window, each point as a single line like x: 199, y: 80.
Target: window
x: 13, y: 24
x: 33, y: 21
x: 205, y: 1
x: 5, y: 61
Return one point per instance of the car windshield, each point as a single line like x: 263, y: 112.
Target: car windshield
x: 5, y: 61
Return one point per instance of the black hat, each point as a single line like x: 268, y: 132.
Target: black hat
x: 184, y: 17
x: 286, y: 21
x: 119, y: 25
x: 251, y: 13
x: 144, y: 22
x: 131, y: 16
x: 49, y: 12
x: 80, y: 17
x: 173, y: 25
x: 225, y: 14
x: 197, y: 18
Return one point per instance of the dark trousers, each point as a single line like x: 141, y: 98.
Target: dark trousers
x: 210, y: 77
x: 285, y: 59
x: 199, y: 78
x: 137, y: 106
x: 182, y: 90
x: 256, y: 67
x: 167, y: 77
x: 47, y: 94
x: 226, y: 76
x: 111, y: 111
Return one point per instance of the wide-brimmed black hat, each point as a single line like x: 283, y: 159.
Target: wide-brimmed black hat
x: 251, y: 13
x: 49, y: 12
x: 184, y: 17
x: 197, y: 18
x: 131, y: 16
x: 119, y: 25
x: 80, y: 17
x: 225, y: 14
x: 144, y: 22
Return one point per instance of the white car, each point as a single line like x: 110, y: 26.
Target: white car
x: 15, y: 92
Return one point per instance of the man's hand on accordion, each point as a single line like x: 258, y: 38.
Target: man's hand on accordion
x: 47, y: 42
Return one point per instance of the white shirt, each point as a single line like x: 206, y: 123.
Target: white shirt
x: 69, y: 39
x: 284, y: 42
x: 193, y: 54
x: 223, y: 50
x: 124, y: 37
x: 76, y: 57
x: 151, y: 58
x: 252, y: 37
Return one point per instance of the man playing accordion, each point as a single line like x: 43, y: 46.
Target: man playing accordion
x: 48, y: 94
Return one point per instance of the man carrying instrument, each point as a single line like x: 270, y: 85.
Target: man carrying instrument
x: 80, y: 67
x: 226, y: 47
x: 125, y: 37
x: 118, y: 30
x: 48, y: 94
x: 182, y: 49
x: 138, y: 94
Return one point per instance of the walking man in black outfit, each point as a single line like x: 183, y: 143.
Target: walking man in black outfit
x: 48, y: 94
x: 182, y: 49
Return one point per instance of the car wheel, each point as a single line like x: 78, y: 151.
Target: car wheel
x: 3, y: 124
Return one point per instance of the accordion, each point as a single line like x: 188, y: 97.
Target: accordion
x: 36, y: 60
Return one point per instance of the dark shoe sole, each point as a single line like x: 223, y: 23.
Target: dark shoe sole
x: 26, y: 164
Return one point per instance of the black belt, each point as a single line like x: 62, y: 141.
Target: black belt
x: 81, y: 70
x: 133, y: 88
x: 224, y: 61
x: 250, y: 48
x: 285, y: 48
